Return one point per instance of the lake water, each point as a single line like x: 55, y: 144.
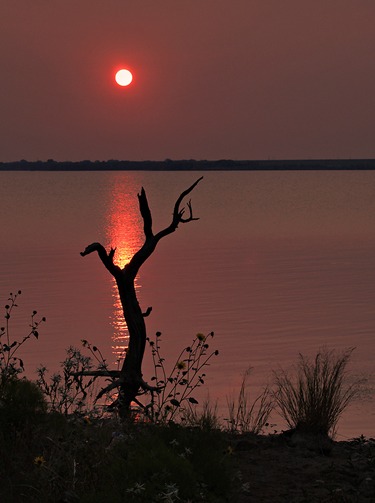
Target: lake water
x: 279, y: 263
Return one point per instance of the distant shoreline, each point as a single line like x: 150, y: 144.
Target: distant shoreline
x: 193, y: 165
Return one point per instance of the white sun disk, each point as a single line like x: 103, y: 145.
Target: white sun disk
x: 123, y: 77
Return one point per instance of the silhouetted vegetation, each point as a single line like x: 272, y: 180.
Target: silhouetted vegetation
x: 191, y: 165
x: 313, y: 397
x: 246, y: 415
x: 175, y: 397
x: 58, y: 445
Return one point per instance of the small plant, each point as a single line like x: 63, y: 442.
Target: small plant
x: 245, y: 416
x: 22, y: 403
x: 11, y: 365
x: 313, y: 398
x: 175, y: 393
x: 69, y: 391
x: 206, y: 419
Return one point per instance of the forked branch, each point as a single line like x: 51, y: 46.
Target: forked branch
x: 106, y: 258
x: 178, y: 213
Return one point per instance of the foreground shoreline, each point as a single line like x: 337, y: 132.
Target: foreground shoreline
x: 193, y: 165
x: 274, y: 468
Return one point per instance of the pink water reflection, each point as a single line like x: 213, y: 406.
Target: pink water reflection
x: 279, y: 263
x: 124, y: 231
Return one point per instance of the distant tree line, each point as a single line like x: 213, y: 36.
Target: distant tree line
x: 190, y: 165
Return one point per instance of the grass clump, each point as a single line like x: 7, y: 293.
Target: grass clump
x: 313, y: 398
x: 247, y: 416
x: 206, y: 418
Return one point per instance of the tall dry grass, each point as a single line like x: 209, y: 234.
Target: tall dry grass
x: 314, y: 396
x: 246, y: 415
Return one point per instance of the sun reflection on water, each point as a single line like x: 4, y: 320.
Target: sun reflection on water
x: 124, y: 231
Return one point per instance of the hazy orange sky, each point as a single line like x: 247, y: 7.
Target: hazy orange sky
x: 213, y: 79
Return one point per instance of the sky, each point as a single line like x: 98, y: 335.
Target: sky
x: 213, y: 79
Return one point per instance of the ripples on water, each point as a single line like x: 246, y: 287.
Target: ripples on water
x: 279, y: 263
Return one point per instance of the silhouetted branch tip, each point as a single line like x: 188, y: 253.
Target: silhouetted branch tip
x: 147, y: 313
x: 146, y: 213
x: 106, y: 258
x: 190, y: 218
x: 91, y: 248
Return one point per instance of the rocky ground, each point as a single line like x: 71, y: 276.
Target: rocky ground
x: 297, y: 469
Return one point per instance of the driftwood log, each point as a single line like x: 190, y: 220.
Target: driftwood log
x: 129, y: 379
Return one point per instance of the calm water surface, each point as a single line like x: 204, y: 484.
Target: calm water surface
x: 279, y: 263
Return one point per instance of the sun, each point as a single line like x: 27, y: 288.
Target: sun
x: 123, y: 77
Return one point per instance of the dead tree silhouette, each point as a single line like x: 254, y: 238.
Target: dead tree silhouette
x: 129, y: 380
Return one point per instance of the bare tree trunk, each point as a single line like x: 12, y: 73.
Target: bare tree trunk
x: 130, y: 380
